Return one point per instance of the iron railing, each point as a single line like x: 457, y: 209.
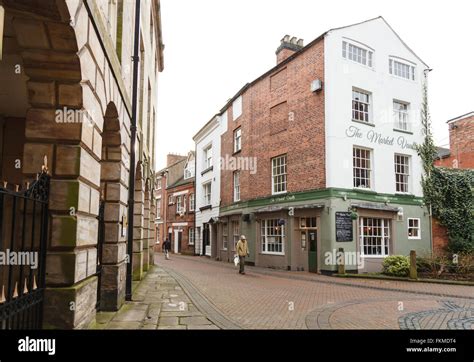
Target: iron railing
x: 23, y: 244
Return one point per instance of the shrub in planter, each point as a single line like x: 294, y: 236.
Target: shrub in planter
x: 396, y: 265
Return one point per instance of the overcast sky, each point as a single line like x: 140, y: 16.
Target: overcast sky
x: 214, y: 47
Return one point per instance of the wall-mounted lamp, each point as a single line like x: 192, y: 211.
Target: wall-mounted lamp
x: 2, y: 24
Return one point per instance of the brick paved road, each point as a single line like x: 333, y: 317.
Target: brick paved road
x: 268, y: 299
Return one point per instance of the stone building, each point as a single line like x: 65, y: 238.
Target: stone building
x: 66, y: 86
x: 323, y: 145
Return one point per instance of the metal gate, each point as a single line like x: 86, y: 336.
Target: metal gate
x: 23, y: 244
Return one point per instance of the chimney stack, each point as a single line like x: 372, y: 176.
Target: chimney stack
x: 172, y: 158
x: 289, y: 46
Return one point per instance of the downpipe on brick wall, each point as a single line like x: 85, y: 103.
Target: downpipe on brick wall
x: 133, y: 131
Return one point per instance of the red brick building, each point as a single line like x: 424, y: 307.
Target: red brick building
x: 179, y: 203
x: 459, y: 155
x: 168, y: 175
x: 461, y: 143
x: 332, y: 171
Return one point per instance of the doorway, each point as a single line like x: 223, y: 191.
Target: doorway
x: 312, y: 237
x: 206, y: 240
x: 178, y: 236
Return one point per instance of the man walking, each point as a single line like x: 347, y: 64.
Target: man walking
x: 242, y: 251
x: 167, y: 247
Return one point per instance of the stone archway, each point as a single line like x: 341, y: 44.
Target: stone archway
x: 65, y: 85
x: 151, y: 227
x: 146, y: 226
x: 114, y: 194
x: 41, y: 37
x: 138, y: 224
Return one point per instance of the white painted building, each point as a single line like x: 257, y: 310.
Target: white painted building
x: 369, y: 62
x: 208, y: 186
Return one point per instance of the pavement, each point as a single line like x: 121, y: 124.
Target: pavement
x: 188, y: 292
x: 159, y: 302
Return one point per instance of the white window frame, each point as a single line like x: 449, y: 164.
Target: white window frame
x: 225, y: 236
x: 369, y: 169
x: 179, y: 204
x: 402, y: 69
x: 405, y: 174
x: 158, y: 184
x: 401, y: 117
x: 170, y: 200
x: 191, y: 236
x: 208, y: 157
x: 238, y: 139
x: 418, y: 228
x: 363, y: 107
x: 192, y: 202
x: 384, y: 239
x: 189, y: 171
x: 236, y: 183
x: 237, y: 108
x: 207, y: 196
x: 359, y: 53
x: 279, y: 177
x: 265, y: 226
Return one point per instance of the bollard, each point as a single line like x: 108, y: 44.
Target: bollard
x: 413, y: 272
x: 341, y: 268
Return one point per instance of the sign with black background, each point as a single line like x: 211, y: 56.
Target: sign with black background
x: 344, y: 230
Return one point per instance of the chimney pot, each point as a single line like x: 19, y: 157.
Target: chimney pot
x: 289, y: 45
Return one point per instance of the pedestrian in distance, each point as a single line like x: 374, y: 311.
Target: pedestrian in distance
x: 242, y: 249
x: 167, y: 248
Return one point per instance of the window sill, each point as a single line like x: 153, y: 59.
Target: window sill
x: 279, y: 193
x: 207, y: 207
x: 414, y: 238
x: 402, y: 131
x: 362, y: 122
x: 374, y: 256
x: 275, y: 254
x: 207, y: 170
x: 236, y: 152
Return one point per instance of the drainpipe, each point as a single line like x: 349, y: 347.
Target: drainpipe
x: 133, y: 131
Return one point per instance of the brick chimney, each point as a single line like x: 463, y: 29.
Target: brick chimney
x: 288, y: 47
x: 172, y: 158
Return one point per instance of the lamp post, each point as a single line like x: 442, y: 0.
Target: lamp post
x: 133, y: 131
